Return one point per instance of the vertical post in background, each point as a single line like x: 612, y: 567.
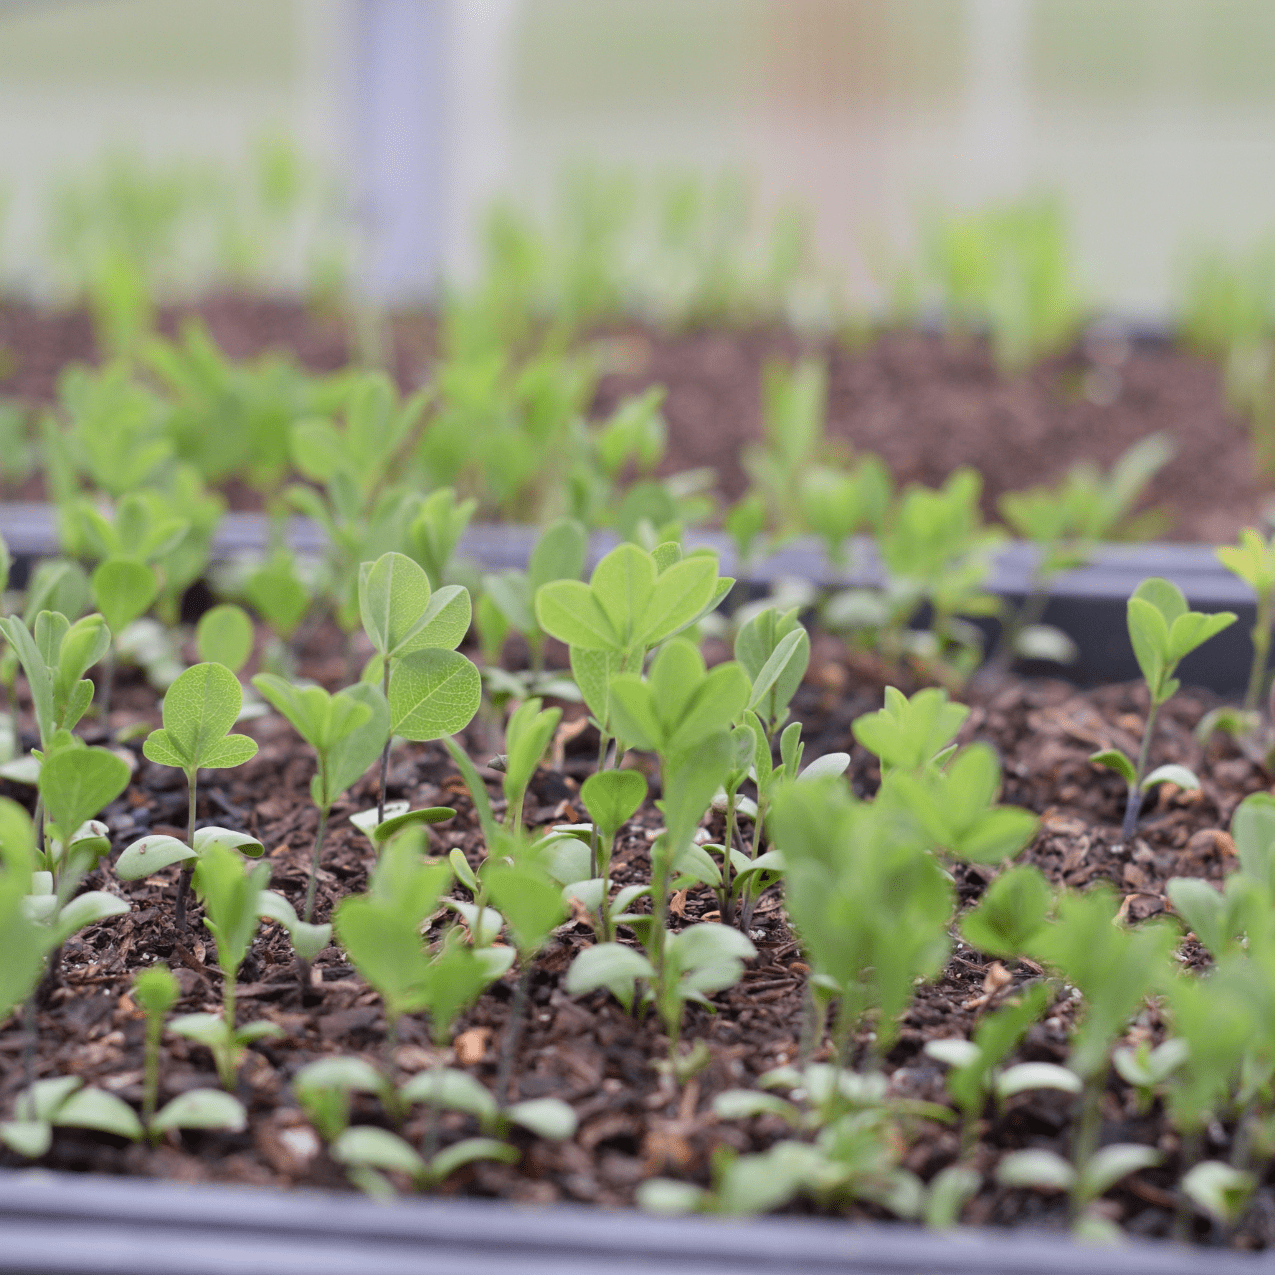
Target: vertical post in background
x: 400, y: 59
x: 996, y: 130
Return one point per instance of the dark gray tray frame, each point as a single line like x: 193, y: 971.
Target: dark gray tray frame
x: 68, y: 1224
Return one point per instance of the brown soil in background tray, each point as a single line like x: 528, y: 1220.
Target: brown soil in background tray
x: 925, y: 404
x: 632, y: 1122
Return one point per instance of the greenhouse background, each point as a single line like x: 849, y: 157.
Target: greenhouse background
x: 1148, y: 119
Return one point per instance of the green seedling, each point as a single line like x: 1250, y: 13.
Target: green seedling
x: 557, y: 555
x: 956, y: 805
x: 33, y: 923
x: 527, y: 735
x: 234, y: 902
x: 123, y: 591
x: 1253, y: 561
x: 1148, y: 1070
x: 744, y: 523
x: 871, y: 905
x: 911, y: 735
x: 1219, y: 1191
x: 836, y: 503
x: 1066, y: 522
x: 696, y: 962
x: 1162, y: 632
x: 975, y: 1066
x: 612, y: 798
x: 432, y: 690
x: 532, y: 906
x: 436, y: 530
x: 1010, y: 914
x: 155, y: 992
x: 75, y: 784
x: 348, y: 732
x: 775, y: 652
x: 63, y: 1102
x: 198, y: 711
x: 55, y: 658
x: 224, y: 635
x: 1113, y: 969
x: 380, y: 931
x: 278, y: 594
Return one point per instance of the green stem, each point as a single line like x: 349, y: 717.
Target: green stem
x: 183, y: 881
x: 385, y: 752
x: 602, y: 868
x: 728, y: 895
x: 150, y: 1084
x: 314, y: 866
x: 1261, y: 648
x: 1134, y: 802
x: 1088, y: 1125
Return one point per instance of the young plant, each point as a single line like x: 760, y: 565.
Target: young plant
x: 234, y: 902
x: 612, y: 798
x: 155, y: 992
x: 1163, y: 631
x: 527, y: 735
x: 1065, y: 523
x: 558, y: 554
x: 432, y: 689
x: 633, y: 602
x: 198, y: 711
x: 348, y: 732
x: 123, y: 591
x: 774, y: 649
x: 870, y: 903
x: 224, y: 635
x: 976, y: 1071
x: 381, y: 933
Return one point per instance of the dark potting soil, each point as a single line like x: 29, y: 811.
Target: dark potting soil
x: 925, y: 404
x: 633, y: 1122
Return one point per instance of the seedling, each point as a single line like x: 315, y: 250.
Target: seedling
x: 1163, y: 632
x: 380, y: 931
x: 1066, y: 522
x: 348, y: 732
x: 527, y: 736
x: 557, y: 555
x: 910, y: 735
x: 976, y: 1072
x: 155, y: 992
x: 198, y: 711
x: 224, y: 635
x: 123, y: 590
x: 436, y: 531
x: 612, y: 798
x: 431, y: 689
x: 775, y: 652
x: 870, y: 903
x: 234, y: 903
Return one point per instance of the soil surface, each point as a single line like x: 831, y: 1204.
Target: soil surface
x: 633, y: 1122
x: 924, y: 403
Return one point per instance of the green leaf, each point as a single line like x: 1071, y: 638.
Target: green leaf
x: 433, y: 693
x: 593, y: 671
x: 1194, y: 629
x: 679, y: 598
x: 454, y: 1090
x: 307, y: 940
x: 623, y: 585
x: 548, y: 1118
x: 1044, y: 1170
x: 123, y: 589
x: 350, y: 754
x: 151, y: 854
x: 367, y: 1145
x: 609, y: 965
x: 531, y: 904
x: 1010, y: 914
x: 443, y: 625
x: 558, y: 554
x: 1114, y: 759
x: 202, y: 1109
x: 570, y: 611
x: 1219, y: 1190
x: 612, y: 798
x: 1171, y: 774
x: 1107, y: 1166
x: 467, y: 1151
x: 224, y: 635
x: 1037, y: 1075
x: 393, y: 595
x: 1149, y: 635
x: 96, y: 1109
x: 786, y: 653
x: 199, y: 709
x: 392, y: 825
x: 77, y: 783
x: 1253, y: 828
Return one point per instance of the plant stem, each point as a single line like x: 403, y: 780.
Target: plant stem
x: 385, y: 752
x: 183, y: 881
x: 602, y: 868
x: 1084, y: 1138
x: 314, y: 866
x: 108, y: 683
x: 150, y: 1084
x: 513, y: 1030
x: 728, y: 894
x: 1133, y: 805
x: 1261, y: 648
